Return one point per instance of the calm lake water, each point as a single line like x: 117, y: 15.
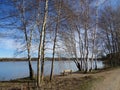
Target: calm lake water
x: 13, y: 70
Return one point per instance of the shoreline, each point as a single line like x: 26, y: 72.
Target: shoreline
x: 59, y: 81
x: 35, y: 59
x: 75, y: 81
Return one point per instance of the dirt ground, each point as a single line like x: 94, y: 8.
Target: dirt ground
x: 103, y: 80
x: 110, y: 81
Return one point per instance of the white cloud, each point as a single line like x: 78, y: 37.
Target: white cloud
x: 8, y: 43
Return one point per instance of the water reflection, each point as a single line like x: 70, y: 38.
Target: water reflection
x: 13, y: 70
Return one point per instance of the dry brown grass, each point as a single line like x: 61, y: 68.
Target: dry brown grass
x: 74, y: 81
x: 70, y: 82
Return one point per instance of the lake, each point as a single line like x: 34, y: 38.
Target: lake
x: 13, y: 70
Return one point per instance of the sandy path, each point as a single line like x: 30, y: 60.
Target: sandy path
x: 111, y: 81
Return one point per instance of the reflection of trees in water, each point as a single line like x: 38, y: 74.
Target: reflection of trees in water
x: 21, y: 70
x: 62, y: 65
x: 47, y: 67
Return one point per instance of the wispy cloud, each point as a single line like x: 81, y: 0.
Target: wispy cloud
x: 8, y: 43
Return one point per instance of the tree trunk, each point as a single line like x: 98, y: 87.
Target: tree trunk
x: 43, y: 58
x: 28, y: 40
x: 55, y: 40
x: 41, y: 43
x: 31, y: 72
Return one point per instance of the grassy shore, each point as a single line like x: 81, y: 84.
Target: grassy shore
x: 59, y: 83
x: 74, y: 81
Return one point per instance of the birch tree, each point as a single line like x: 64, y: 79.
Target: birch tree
x: 41, y: 42
x: 27, y: 30
x: 55, y: 37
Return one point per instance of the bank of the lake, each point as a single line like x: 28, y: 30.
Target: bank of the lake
x: 46, y: 59
x: 74, y: 81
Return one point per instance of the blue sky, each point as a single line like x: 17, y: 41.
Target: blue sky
x: 6, y: 52
x: 8, y: 45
